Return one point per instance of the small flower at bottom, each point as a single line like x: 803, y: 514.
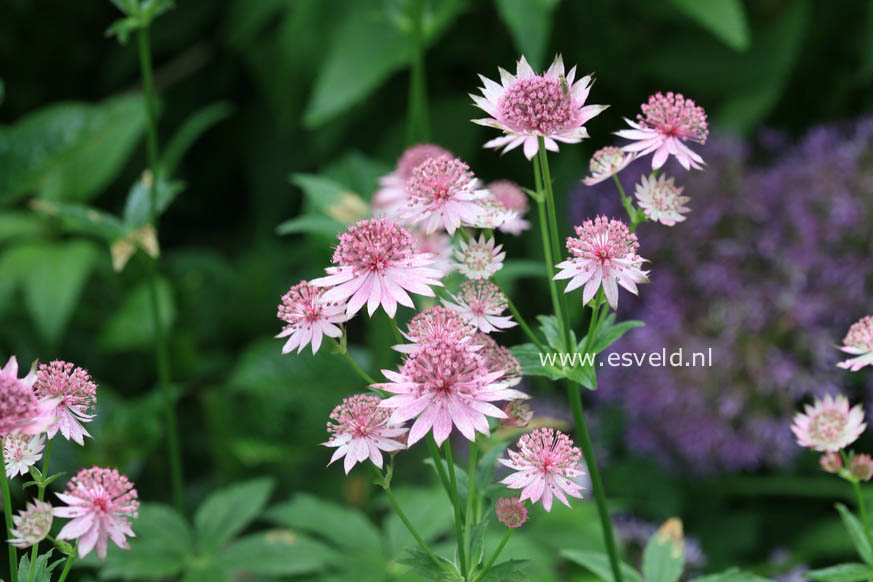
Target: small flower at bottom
x: 605, y: 163
x: 545, y: 464
x: 308, y: 317
x: 479, y: 259
x: 21, y: 411
x: 511, y: 511
x: 861, y: 467
x: 831, y: 462
x: 32, y: 524
x: 100, y: 503
x: 859, y: 343
x: 481, y: 303
x: 77, y: 394
x: 828, y: 424
x: 21, y: 452
x: 661, y: 199
x: 362, y: 430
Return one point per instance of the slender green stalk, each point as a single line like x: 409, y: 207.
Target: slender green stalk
x: 398, y: 337
x: 438, y: 464
x: 69, y: 564
x: 462, y: 555
x: 7, y: 514
x: 496, y: 553
x: 471, y: 497
x: 418, y: 122
x: 161, y: 352
x: 34, y: 553
x: 521, y: 322
x: 387, y: 487
x: 856, y: 486
x: 358, y: 370
x: 547, y: 245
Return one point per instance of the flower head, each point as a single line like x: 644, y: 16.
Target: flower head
x: 377, y: 265
x: 21, y: 412
x: 100, y: 503
x: 511, y: 511
x: 21, y: 452
x: 479, y: 259
x: 492, y: 214
x: 831, y: 462
x: 666, y: 123
x: 512, y: 198
x: 76, y: 396
x: 390, y: 199
x: 32, y: 524
x: 545, y: 464
x: 445, y: 383
x: 661, y: 199
x: 518, y: 414
x: 308, y: 317
x: 362, y: 430
x: 527, y: 106
x: 861, y: 467
x: 829, y: 425
x: 481, y: 303
x: 606, y: 163
x: 439, y: 245
x: 498, y: 357
x: 436, y: 324
x: 604, y: 253
x: 443, y: 193
x: 859, y: 343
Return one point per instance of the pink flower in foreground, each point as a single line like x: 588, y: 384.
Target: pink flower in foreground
x: 436, y: 324
x: 861, y: 467
x: 828, y: 424
x: 308, y: 317
x: 443, y: 193
x: 606, y: 163
x: 481, y: 303
x: 670, y: 121
x: 511, y: 511
x: 361, y: 430
x: 479, y: 259
x: 831, y: 462
x: 390, y: 199
x: 377, y: 265
x: 32, y: 524
x: 21, y: 412
x: 859, y: 343
x: 513, y: 199
x: 100, y: 503
x: 661, y: 199
x: 605, y: 253
x: 76, y: 395
x: 527, y: 106
x: 21, y: 452
x: 445, y: 383
x: 545, y: 464
x: 498, y: 357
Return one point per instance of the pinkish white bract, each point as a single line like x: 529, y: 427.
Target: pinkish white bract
x: 308, y: 317
x: 361, y: 430
x: 545, y: 465
x: 21, y: 452
x: 21, y: 411
x: 513, y: 199
x: 479, y: 259
x: 390, y: 199
x: 661, y: 199
x: 443, y: 193
x: 828, y: 425
x: 859, y: 343
x: 76, y: 395
x: 607, y: 162
x: 481, y: 303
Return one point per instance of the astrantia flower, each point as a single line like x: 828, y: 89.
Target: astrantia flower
x: 661, y: 199
x: 377, y: 265
x: 445, y: 383
x: 76, y: 395
x: 545, y: 464
x: 493, y: 214
x: 361, y: 430
x: 510, y: 511
x: 436, y: 324
x: 861, y: 467
x: 481, y: 303
x: 498, y: 357
x: 443, y: 193
x: 518, y: 414
x: 829, y: 424
x: 390, y: 199
x: 100, y: 502
x: 527, y: 106
x: 308, y: 317
x: 605, y: 253
x: 670, y: 121
x: 606, y: 163
x: 831, y: 462
x: 32, y: 524
x: 21, y: 452
x: 21, y: 412
x: 479, y: 259
x: 439, y: 245
x: 512, y: 198
x: 859, y: 343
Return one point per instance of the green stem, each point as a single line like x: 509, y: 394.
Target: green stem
x: 471, y: 496
x: 862, y: 507
x: 438, y: 464
x: 496, y: 553
x: 405, y: 520
x: 398, y: 337
x: 7, y: 514
x: 417, y: 124
x: 358, y: 370
x: 70, y: 559
x: 521, y: 322
x: 452, y: 480
x: 34, y: 553
x: 547, y: 246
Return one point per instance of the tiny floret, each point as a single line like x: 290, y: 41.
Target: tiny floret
x: 606, y: 163
x: 481, y: 303
x: 479, y: 259
x: 861, y: 467
x: 511, y: 511
x: 21, y: 452
x: 76, y: 395
x: 443, y: 193
x: 831, y: 462
x: 828, y: 425
x: 361, y: 430
x: 32, y: 524
x: 661, y: 199
x: 859, y: 343
x: 308, y: 318
x: 21, y: 411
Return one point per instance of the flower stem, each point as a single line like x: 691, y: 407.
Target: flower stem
x: 438, y: 464
x: 862, y: 507
x: 387, y: 488
x: 358, y: 370
x: 496, y: 553
x: 34, y: 553
x: 70, y: 559
x: 418, y: 123
x: 456, y: 502
x: 521, y: 322
x: 161, y: 351
x: 471, y: 496
x: 7, y: 514
x: 547, y: 246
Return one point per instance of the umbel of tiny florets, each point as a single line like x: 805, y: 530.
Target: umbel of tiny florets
x: 828, y: 425
x: 661, y: 199
x: 859, y: 343
x: 443, y: 193
x: 361, y: 430
x: 76, y: 395
x: 308, y: 318
x: 481, y: 303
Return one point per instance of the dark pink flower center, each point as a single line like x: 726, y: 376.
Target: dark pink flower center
x: 537, y: 104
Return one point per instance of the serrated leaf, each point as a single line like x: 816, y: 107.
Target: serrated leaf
x: 725, y: 19
x: 341, y: 525
x: 585, y: 375
x: 598, y: 564
x: 851, y: 572
x: 860, y: 540
x: 424, y: 566
x: 227, y: 512
x: 477, y: 537
x: 528, y: 355
x: 279, y: 552
x: 508, y: 571
x: 664, y: 556
x: 609, y: 333
x: 42, y: 569
x: 487, y: 465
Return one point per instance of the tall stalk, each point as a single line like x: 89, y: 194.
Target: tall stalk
x: 418, y: 122
x: 7, y: 515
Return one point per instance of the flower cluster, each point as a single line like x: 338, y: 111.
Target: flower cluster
x: 544, y: 467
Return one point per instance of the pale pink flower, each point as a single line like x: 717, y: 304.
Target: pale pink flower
x: 661, y: 199
x: 605, y: 253
x: 439, y: 245
x: 308, y: 317
x: 436, y: 324
x: 32, y: 524
x: 390, y: 199
x: 493, y: 214
x: 527, y: 106
x: 828, y: 425
x: 606, y: 163
x: 100, y: 504
x: 831, y: 462
x: 670, y: 121
x: 861, y: 467
x: 513, y: 199
x: 498, y: 357
x: 76, y: 395
x: 21, y: 452
x: 859, y: 343
x: 546, y: 464
x: 511, y: 511
x: 361, y: 430
x: 443, y: 193
x: 21, y: 411
x: 518, y: 414
x: 479, y: 259
x: 377, y: 265
x: 481, y: 303
x: 445, y: 383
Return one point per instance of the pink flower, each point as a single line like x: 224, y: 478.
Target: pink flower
x: 545, y: 464
x: 443, y: 193
x: 32, y: 524
x: 861, y: 467
x: 828, y: 425
x: 390, y: 199
x: 603, y: 254
x: 831, y: 462
x: 859, y: 342
x: 21, y: 412
x: 377, y: 265
x: 481, y: 303
x: 661, y: 199
x: 362, y: 430
x: 100, y: 502
x: 518, y: 414
x: 527, y: 106
x: 436, y: 324
x: 493, y: 214
x: 76, y: 395
x: 21, y: 452
x: 669, y: 122
x: 441, y: 384
x: 606, y: 163
x: 439, y: 245
x: 479, y: 259
x: 513, y: 199
x: 511, y: 511
x: 308, y: 317
x: 498, y: 357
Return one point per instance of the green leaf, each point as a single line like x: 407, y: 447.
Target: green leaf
x: 487, y: 465
x: 131, y: 326
x: 584, y: 375
x: 731, y: 575
x: 310, y: 223
x: 598, y: 563
x: 430, y: 511
x: 227, y: 512
x: 82, y: 219
x: 725, y: 19
x: 42, y: 570
x: 508, y: 571
x: 193, y: 127
x: 664, y: 556
x: 552, y: 331
x: 514, y: 269
x: 477, y: 540
x: 136, y: 209
x: 424, y: 566
x: 609, y: 333
x: 341, y: 525
x: 528, y: 355
x: 276, y: 553
x: 851, y: 572
x: 856, y: 533
x: 19, y: 225
x: 331, y: 198
x: 530, y: 23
